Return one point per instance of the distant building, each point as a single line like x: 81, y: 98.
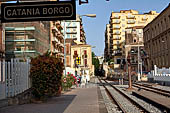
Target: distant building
x: 81, y: 58
x: 74, y: 29
x: 25, y: 39
x: 119, y: 21
x: 157, y: 41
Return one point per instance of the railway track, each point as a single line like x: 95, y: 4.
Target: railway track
x: 124, y: 103
x: 152, y: 89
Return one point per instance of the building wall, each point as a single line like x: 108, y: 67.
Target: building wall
x: 157, y: 40
x: 86, y: 59
x: 57, y: 39
x: 74, y: 29
x: 25, y: 40
x: 123, y: 19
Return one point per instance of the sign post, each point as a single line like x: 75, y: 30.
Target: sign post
x: 38, y: 11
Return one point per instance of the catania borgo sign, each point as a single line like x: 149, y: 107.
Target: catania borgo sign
x: 38, y: 11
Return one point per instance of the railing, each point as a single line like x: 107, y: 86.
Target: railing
x: 160, y: 74
x: 14, y: 77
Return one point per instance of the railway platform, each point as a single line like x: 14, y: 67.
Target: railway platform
x: 86, y: 99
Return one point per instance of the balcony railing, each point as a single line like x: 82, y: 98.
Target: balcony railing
x: 71, y: 32
x: 115, y: 17
x: 116, y: 33
x: 116, y: 22
x: 116, y: 27
x: 130, y: 17
x: 117, y: 38
x: 130, y: 22
x: 144, y: 18
x: 72, y: 26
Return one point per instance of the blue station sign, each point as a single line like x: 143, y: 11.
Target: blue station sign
x: 38, y: 11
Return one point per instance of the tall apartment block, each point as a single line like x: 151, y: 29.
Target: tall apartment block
x: 157, y: 41
x: 119, y: 21
x: 74, y: 29
x: 26, y: 39
x: 57, y: 39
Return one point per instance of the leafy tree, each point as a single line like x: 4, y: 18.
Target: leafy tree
x: 95, y: 62
x: 46, y: 72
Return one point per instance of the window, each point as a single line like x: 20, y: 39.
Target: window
x: 85, y: 52
x: 74, y: 29
x: 68, y: 35
x: 75, y: 52
x: 67, y: 48
x: 134, y: 40
x: 118, y: 61
x: 123, y: 25
x: 74, y: 35
x: 68, y: 30
x: 68, y: 61
x: 85, y: 62
x: 74, y: 23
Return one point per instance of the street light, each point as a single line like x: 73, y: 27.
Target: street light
x: 86, y: 15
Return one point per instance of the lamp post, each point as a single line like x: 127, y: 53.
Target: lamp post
x: 87, y: 15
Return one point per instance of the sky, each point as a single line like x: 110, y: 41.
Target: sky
x: 95, y: 27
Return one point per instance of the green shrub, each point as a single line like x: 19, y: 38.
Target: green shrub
x: 46, y: 73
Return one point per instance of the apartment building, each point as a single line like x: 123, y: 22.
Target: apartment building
x: 57, y: 39
x: 25, y: 39
x: 119, y: 21
x: 107, y: 44
x: 74, y: 29
x: 157, y: 40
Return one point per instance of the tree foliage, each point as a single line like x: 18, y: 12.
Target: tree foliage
x: 95, y: 61
x: 46, y: 72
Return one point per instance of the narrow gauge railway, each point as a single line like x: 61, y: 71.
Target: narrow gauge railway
x: 148, y: 87
x: 125, y: 103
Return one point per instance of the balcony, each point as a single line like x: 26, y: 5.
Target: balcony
x: 116, y: 38
x: 118, y: 27
x: 116, y: 33
x: 144, y: 18
x: 71, y: 32
x: 130, y: 17
x: 54, y: 29
x: 55, y: 40
x: 116, y: 22
x: 72, y: 26
x: 131, y: 22
x: 115, y: 17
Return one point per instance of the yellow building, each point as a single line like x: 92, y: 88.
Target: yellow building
x: 81, y: 59
x: 119, y: 21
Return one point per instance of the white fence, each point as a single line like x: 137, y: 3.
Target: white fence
x: 14, y: 77
x: 162, y: 74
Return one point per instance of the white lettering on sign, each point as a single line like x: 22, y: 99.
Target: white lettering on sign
x: 23, y: 12
x: 37, y: 11
x: 56, y: 10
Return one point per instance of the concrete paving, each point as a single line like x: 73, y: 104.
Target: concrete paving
x: 78, y: 100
